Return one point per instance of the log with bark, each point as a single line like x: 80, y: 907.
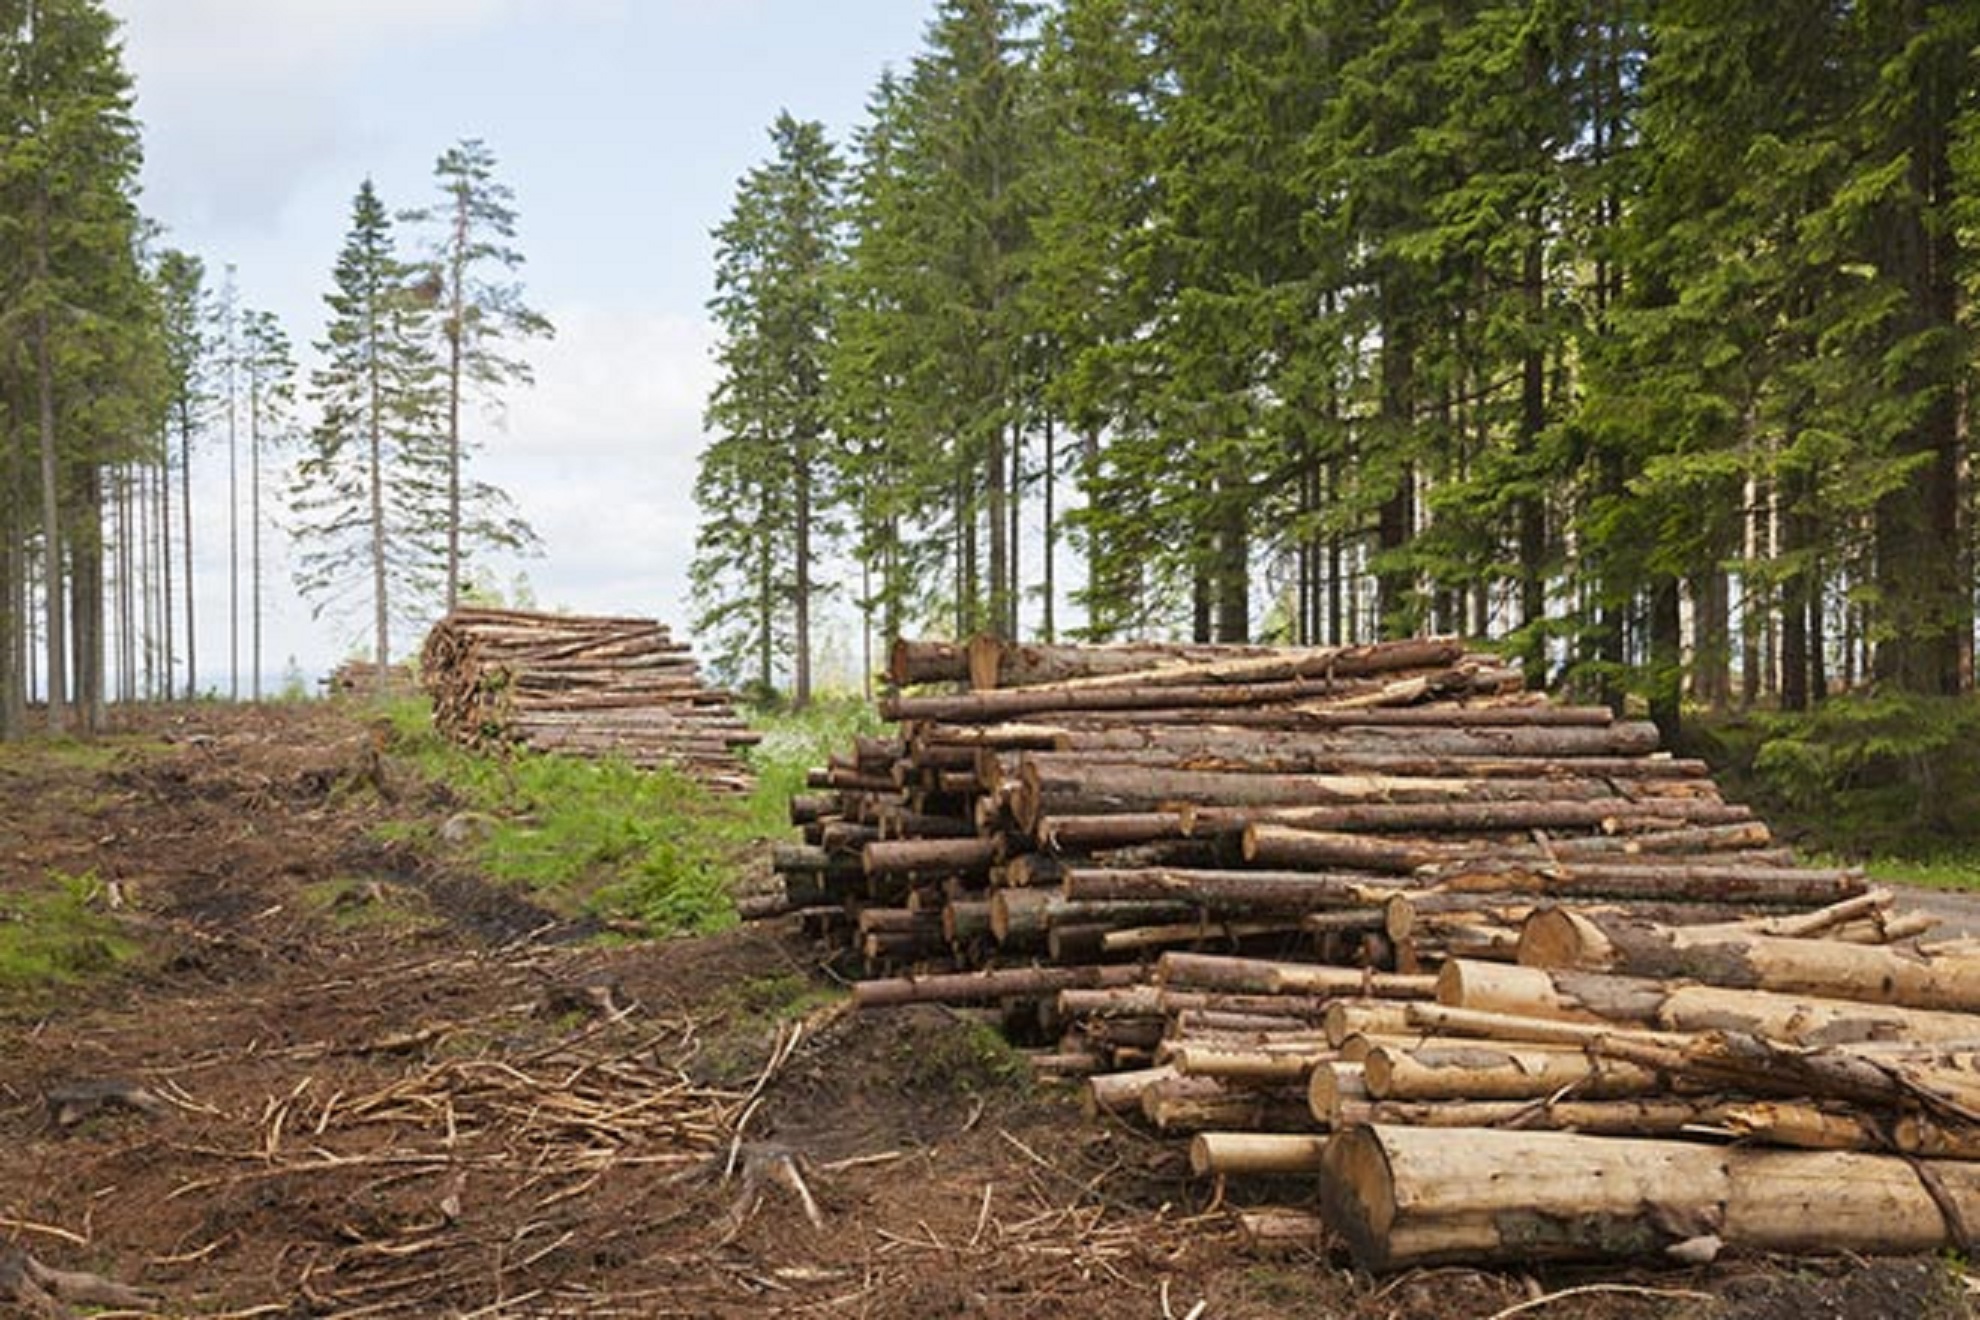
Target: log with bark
x: 1750, y: 959
x: 1403, y: 1196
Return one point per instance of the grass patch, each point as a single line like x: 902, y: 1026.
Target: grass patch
x: 57, y: 935
x: 650, y: 846
x: 794, y: 742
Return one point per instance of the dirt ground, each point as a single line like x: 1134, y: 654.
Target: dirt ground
x: 350, y: 1078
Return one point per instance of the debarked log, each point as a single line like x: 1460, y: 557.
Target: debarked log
x: 1404, y: 1196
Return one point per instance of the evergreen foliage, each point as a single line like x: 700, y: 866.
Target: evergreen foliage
x: 767, y: 482
x: 368, y: 497
x: 1637, y: 339
x: 470, y: 274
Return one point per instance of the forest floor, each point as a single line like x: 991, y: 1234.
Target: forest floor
x: 299, y: 1071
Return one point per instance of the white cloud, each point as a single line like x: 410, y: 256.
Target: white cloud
x: 600, y: 456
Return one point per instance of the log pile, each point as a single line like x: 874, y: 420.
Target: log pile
x: 1449, y: 972
x: 360, y: 678
x: 592, y: 687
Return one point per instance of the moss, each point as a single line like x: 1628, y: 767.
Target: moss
x: 57, y: 934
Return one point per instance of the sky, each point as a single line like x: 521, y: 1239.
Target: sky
x: 622, y: 126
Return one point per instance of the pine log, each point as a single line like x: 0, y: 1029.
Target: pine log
x: 1282, y: 1231
x: 1612, y: 814
x: 987, y: 986
x: 1617, y: 942
x: 1195, y: 1104
x: 1234, y: 892
x: 1648, y: 1116
x: 1120, y: 1092
x: 1350, y: 1017
x: 1592, y: 997
x: 1136, y: 939
x: 1444, y: 1071
x: 1331, y: 1086
x: 1242, y: 1154
x: 1404, y: 1197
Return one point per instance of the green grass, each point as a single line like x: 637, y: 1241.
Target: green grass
x: 792, y: 744
x: 57, y: 935
x: 649, y: 846
x: 1952, y: 871
x: 652, y: 846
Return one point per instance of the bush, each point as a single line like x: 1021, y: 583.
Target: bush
x: 1865, y: 774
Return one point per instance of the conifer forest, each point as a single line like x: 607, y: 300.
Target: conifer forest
x: 1636, y: 337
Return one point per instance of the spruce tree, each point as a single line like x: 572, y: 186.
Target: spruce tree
x: 764, y: 482
x: 470, y: 272
x: 368, y: 494
x: 268, y: 373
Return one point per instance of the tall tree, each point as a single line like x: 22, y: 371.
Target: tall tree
x: 367, y: 493
x: 268, y: 372
x: 181, y: 280
x: 471, y: 273
x: 764, y: 482
x: 68, y: 177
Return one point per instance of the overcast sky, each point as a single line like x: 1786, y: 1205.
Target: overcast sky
x: 622, y: 125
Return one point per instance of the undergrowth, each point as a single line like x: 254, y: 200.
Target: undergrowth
x: 651, y: 846
x: 1885, y: 778
x: 57, y: 934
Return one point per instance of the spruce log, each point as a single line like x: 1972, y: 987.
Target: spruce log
x: 930, y: 856
x: 1253, y: 1153
x: 1677, y: 881
x: 1092, y: 833
x: 995, y: 663
x: 1635, y: 740
x: 1835, y: 969
x: 1592, y: 997
x: 1250, y: 892
x: 1404, y: 1197
x: 1281, y: 846
x: 987, y: 986
x: 1065, y: 785
x: 1282, y: 1231
x: 910, y: 662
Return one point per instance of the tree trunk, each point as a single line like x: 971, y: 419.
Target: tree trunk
x: 1403, y: 1197
x: 1616, y: 942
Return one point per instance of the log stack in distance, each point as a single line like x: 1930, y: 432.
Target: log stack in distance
x: 582, y: 686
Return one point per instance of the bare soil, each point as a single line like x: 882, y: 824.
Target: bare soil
x: 350, y: 1078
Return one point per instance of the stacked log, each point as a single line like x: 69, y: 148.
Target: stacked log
x: 582, y: 686
x: 361, y: 678
x: 1474, y: 976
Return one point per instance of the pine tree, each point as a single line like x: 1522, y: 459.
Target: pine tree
x: 368, y: 492
x: 470, y: 272
x: 268, y: 370
x: 180, y: 278
x: 69, y: 159
x: 764, y: 483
